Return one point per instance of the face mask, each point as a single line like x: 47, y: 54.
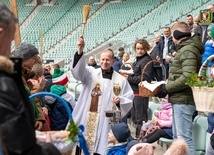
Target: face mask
x: 120, y: 54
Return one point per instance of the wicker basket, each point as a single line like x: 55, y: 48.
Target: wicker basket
x: 65, y: 145
x: 125, y: 72
x: 204, y: 97
x: 143, y: 91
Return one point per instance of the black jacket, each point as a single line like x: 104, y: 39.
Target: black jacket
x: 154, y: 54
x: 17, y: 131
x: 161, y: 43
x: 138, y: 66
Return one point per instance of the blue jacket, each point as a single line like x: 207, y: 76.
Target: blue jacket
x: 118, y: 150
x: 58, y: 113
x: 210, y: 120
x: 208, y: 51
x: 117, y: 64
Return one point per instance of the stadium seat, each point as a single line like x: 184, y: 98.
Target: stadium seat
x: 199, y: 133
x: 165, y: 141
x: 152, y: 108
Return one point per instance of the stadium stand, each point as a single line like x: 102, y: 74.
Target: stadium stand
x: 110, y: 23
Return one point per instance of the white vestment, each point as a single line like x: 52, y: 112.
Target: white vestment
x: 89, y: 77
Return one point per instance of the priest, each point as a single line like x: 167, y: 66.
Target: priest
x: 103, y: 89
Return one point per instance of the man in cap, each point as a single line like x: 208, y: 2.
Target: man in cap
x: 118, y: 60
x: 17, y: 132
x: 29, y: 55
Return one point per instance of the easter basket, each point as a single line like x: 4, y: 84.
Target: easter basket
x: 203, y: 90
x: 150, y: 89
x: 64, y: 140
x: 126, y: 69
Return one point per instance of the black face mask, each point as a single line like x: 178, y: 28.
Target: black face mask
x: 178, y: 34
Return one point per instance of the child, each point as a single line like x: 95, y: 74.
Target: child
x: 118, y: 135
x: 209, y: 49
x: 178, y: 147
x: 163, y: 125
x: 59, y: 77
x: 58, y: 114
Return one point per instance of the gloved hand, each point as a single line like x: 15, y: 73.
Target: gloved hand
x: 162, y: 93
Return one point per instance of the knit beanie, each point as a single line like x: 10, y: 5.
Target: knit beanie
x: 25, y: 51
x: 59, y: 78
x: 121, y: 132
x: 58, y: 89
x: 142, y: 149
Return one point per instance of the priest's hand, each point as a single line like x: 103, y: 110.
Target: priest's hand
x: 115, y: 100
x: 80, y: 44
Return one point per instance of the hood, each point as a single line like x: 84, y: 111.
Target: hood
x: 194, y: 40
x: 6, y: 65
x: 165, y: 105
x: 69, y: 98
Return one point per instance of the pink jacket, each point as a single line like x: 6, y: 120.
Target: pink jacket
x: 164, y: 116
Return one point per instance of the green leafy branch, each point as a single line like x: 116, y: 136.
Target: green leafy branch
x: 73, y: 128
x: 195, y: 81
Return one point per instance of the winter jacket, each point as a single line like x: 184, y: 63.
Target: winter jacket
x: 160, y: 46
x: 58, y: 114
x: 119, y: 149
x: 17, y: 131
x: 208, y: 51
x: 138, y: 67
x: 117, y: 64
x: 154, y: 54
x: 164, y: 116
x: 187, y: 60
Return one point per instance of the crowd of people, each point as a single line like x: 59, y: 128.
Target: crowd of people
x: 180, y: 50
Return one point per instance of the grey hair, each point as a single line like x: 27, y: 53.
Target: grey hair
x: 6, y: 16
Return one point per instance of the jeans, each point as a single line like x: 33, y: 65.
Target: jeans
x: 182, y: 124
x: 166, y: 64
